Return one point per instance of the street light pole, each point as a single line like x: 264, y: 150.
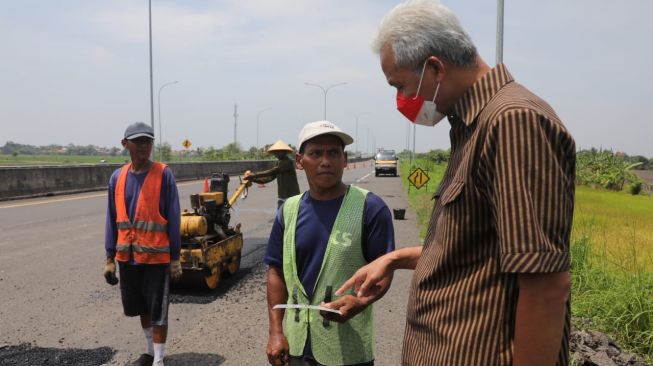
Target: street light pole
x: 325, y: 91
x: 258, y: 117
x: 368, y: 139
x: 160, y: 135
x: 151, y: 82
x: 357, y: 117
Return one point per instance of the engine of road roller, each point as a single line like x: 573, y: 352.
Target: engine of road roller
x: 209, y: 246
x: 211, y: 212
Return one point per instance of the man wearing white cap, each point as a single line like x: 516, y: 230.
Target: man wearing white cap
x: 318, y: 240
x: 283, y: 172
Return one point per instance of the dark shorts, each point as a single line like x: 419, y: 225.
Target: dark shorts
x: 145, y: 289
x: 299, y: 361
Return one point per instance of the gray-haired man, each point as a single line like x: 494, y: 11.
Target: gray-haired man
x: 491, y: 283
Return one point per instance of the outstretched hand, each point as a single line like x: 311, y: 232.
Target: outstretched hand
x: 370, y: 282
x: 348, y: 305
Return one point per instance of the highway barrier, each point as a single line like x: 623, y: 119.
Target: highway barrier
x: 49, y: 180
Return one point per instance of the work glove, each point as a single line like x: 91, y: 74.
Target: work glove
x: 175, y: 270
x: 247, y: 176
x: 110, y: 272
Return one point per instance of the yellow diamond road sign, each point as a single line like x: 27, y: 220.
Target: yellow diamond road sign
x: 418, y: 178
x: 186, y: 143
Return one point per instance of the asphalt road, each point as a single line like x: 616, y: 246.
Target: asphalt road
x: 55, y: 304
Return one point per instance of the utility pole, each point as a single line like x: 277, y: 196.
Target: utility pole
x: 499, y: 55
x: 407, y: 147
x: 235, y: 123
x: 412, y: 156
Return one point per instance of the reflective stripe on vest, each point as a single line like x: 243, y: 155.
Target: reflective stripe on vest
x: 142, y: 225
x: 147, y: 237
x: 332, y: 343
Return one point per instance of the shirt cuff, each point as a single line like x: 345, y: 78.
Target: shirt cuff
x: 273, y: 262
x: 539, y: 262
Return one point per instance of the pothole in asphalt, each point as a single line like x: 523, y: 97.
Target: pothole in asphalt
x: 26, y: 354
x: 230, y: 288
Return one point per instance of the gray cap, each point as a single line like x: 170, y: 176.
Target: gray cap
x: 138, y: 129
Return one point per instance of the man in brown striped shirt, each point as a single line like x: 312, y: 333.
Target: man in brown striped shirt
x: 491, y: 283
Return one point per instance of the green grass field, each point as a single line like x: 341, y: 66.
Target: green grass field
x: 617, y: 223
x: 612, y: 259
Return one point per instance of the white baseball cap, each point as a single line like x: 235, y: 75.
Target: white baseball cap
x: 319, y: 128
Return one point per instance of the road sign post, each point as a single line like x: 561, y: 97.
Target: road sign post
x: 418, y: 178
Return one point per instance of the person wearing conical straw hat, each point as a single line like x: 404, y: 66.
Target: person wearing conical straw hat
x: 284, y: 172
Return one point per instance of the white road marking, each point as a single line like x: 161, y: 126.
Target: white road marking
x: 364, y: 177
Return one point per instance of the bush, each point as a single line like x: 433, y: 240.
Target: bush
x: 604, y: 169
x: 635, y: 188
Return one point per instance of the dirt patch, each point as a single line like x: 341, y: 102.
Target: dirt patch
x: 589, y: 348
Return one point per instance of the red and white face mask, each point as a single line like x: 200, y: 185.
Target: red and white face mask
x: 416, y: 109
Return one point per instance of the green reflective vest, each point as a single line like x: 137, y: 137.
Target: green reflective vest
x: 332, y: 343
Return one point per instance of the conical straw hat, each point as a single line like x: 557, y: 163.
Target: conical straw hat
x: 279, y: 146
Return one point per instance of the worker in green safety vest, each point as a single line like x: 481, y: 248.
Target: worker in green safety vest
x: 318, y: 240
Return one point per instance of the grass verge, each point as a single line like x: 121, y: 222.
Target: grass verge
x: 421, y: 199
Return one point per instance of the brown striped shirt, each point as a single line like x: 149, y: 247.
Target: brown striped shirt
x: 504, y: 207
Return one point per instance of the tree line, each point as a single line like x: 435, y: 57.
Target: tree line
x: 231, y: 151
x: 13, y: 148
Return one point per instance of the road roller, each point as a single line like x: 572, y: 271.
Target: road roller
x: 210, y: 247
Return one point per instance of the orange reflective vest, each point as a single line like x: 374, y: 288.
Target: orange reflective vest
x: 147, y: 235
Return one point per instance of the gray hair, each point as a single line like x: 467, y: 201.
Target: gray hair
x: 417, y: 29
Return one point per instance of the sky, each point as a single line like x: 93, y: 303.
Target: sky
x: 77, y: 71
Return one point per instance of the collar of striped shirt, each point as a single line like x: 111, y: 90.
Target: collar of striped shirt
x: 475, y: 98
